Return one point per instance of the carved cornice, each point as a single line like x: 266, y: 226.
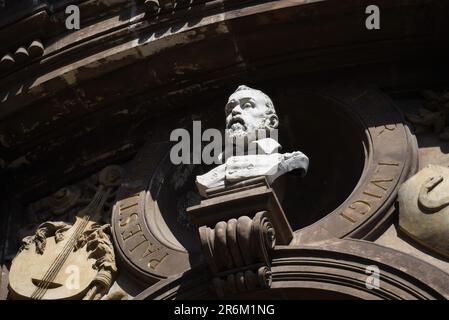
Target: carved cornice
x: 47, y: 22
x: 89, y: 75
x: 65, y: 55
x: 22, y: 55
x: 344, y: 262
x: 337, y: 266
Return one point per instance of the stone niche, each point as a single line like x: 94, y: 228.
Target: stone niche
x: 359, y: 152
x: 335, y: 143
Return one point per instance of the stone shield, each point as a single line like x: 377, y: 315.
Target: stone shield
x: 424, y: 208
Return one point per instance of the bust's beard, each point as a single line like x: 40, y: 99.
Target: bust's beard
x: 237, y: 130
x: 241, y: 132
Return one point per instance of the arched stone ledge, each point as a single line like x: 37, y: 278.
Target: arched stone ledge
x: 336, y: 267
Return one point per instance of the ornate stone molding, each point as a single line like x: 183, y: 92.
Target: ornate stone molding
x: 242, y: 281
x: 155, y: 7
x: 146, y: 233
x: 238, y: 242
x: 22, y: 55
x: 237, y: 252
x: 331, y: 268
x: 72, y: 76
x: 70, y: 111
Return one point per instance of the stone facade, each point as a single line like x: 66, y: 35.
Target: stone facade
x: 88, y: 187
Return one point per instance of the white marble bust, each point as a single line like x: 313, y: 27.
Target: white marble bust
x: 250, y: 150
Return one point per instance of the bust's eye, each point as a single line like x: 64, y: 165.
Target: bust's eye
x: 231, y: 105
x: 247, y: 105
x: 228, y: 108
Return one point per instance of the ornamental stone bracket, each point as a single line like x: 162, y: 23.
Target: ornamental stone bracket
x: 238, y: 227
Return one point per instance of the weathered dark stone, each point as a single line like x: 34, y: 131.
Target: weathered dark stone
x: 113, y: 91
x: 36, y: 49
x: 329, y: 270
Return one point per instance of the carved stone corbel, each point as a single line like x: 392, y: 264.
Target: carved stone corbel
x: 238, y: 227
x: 238, y: 253
x: 238, y: 242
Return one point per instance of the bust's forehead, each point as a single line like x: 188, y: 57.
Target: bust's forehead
x: 255, y: 94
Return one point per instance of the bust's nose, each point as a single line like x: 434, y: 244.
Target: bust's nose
x: 236, y: 110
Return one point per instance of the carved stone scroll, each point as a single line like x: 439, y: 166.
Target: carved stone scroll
x: 242, y: 281
x: 237, y: 244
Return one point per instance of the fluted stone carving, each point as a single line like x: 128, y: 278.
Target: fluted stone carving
x: 22, y: 55
x: 156, y: 6
x: 238, y: 242
x: 238, y: 227
x: 242, y: 281
x: 238, y: 253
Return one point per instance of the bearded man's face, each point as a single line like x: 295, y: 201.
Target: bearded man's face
x: 246, y: 112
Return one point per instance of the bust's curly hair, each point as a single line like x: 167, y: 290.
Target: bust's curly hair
x: 269, y: 103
